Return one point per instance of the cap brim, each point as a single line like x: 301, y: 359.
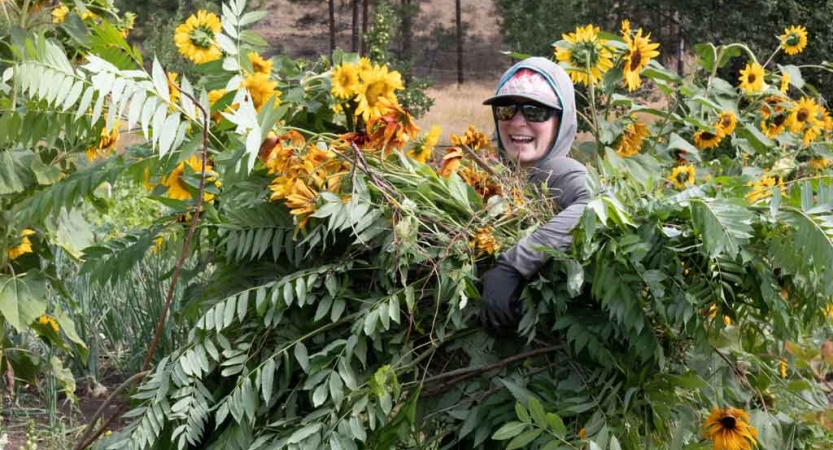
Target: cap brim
x: 497, y: 98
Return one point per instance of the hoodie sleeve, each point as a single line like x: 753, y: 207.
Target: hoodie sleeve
x: 566, y: 180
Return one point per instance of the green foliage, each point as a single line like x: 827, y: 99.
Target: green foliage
x: 341, y: 309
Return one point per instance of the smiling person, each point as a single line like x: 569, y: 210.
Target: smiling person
x: 535, y: 116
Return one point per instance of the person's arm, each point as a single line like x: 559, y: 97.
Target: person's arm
x: 502, y: 285
x: 566, y: 179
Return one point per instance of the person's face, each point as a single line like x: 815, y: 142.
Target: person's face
x: 526, y: 141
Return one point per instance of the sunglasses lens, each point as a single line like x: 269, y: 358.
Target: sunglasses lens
x: 535, y: 113
x: 505, y: 112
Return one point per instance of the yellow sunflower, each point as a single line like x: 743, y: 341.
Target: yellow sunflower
x: 106, y: 144
x: 173, y: 89
x: 50, y: 322
x: 794, y: 40
x: 631, y: 140
x: 762, y: 188
x: 819, y: 163
x: 345, y: 81
x: 177, y: 188
x: 364, y: 65
x: 423, y: 150
x: 803, y: 114
x: 262, y: 89
x: 726, y: 123
x: 260, y: 65
x: 625, y: 29
x: 213, y: 97
x: 774, y: 126
x: 377, y: 84
x: 705, y: 140
x: 25, y: 245
x: 196, y: 39
x: 587, y: 54
x: 785, y: 82
x: 682, y: 176
x: 752, y: 78
x: 59, y: 14
x: 729, y: 429
x: 639, y: 54
x: 484, y: 241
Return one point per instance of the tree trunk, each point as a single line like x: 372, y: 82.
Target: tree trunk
x: 365, y: 15
x: 407, y: 25
x: 680, y: 46
x: 459, y: 13
x: 332, y: 7
x: 354, y: 42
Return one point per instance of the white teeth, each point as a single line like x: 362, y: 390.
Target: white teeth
x: 520, y: 138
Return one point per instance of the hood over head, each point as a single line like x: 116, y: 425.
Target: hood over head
x: 519, y: 82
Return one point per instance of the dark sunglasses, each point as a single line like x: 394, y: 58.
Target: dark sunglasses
x: 532, y: 112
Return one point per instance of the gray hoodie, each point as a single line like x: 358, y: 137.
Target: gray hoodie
x: 564, y: 177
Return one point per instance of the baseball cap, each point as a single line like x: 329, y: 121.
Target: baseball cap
x: 528, y: 84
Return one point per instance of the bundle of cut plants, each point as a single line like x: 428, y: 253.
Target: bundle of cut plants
x: 344, y: 251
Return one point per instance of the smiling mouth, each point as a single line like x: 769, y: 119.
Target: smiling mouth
x: 521, y: 139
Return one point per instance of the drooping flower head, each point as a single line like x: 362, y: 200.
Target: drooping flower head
x: 196, y: 38
x: 587, y: 54
x: 484, y: 241
x: 729, y: 429
x: 752, y: 78
x: 794, y: 40
x: 639, y: 54
x: 631, y: 140
x: 177, y: 188
x: 24, y: 246
x: 106, y: 144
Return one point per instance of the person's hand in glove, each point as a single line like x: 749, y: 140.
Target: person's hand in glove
x: 501, y: 309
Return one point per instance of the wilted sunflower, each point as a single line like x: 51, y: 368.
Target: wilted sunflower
x: 25, y: 245
x: 705, y: 140
x: 473, y: 139
x: 588, y: 55
x: 424, y: 149
x: 196, y: 38
x: 262, y: 89
x: 794, y: 40
x: 451, y: 162
x: 639, y: 54
x: 260, y: 65
x: 729, y: 429
x: 106, y: 144
x: 377, y: 84
x: 631, y: 140
x: 682, y: 176
x: 752, y: 78
x: 484, y: 241
x: 177, y: 188
x: 301, y: 202
x: 59, y: 14
x: 345, y: 81
x: 726, y: 122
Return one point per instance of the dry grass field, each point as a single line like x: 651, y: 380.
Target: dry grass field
x: 457, y: 107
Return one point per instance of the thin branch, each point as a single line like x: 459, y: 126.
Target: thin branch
x: 465, y: 374
x: 742, y: 378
